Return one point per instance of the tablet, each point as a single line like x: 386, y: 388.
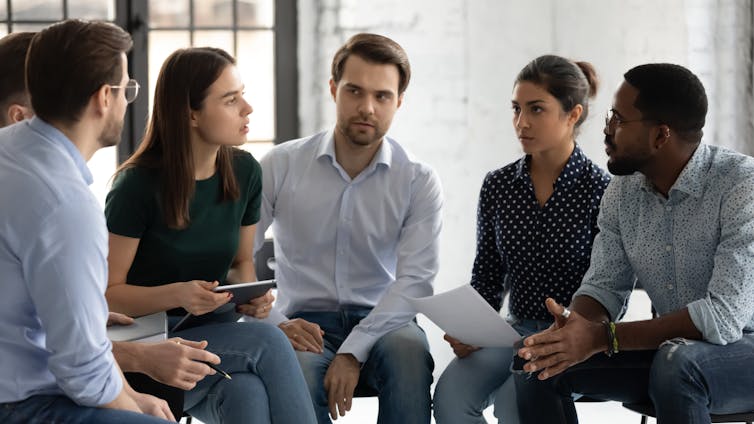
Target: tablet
x: 242, y: 293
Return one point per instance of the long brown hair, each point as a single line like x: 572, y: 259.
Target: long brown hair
x: 182, y: 86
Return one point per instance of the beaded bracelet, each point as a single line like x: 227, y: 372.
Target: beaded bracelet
x: 612, y: 339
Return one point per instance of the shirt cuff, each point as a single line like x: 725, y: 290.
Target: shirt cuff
x: 704, y: 320
x: 358, y: 344
x: 610, y: 302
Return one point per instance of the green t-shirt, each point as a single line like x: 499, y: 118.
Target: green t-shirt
x: 202, y: 251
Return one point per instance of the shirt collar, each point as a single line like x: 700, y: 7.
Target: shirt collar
x: 384, y: 154
x: 57, y: 137
x: 692, y: 177
x: 576, y: 164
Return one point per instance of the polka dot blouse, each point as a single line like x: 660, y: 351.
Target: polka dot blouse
x: 536, y: 252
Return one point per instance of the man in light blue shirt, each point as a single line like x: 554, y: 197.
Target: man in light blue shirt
x: 679, y: 220
x: 57, y: 365
x: 356, y: 223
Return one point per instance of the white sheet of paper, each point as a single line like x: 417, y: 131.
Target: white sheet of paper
x: 464, y: 314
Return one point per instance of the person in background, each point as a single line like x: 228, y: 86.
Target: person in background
x: 356, y: 222
x: 536, y: 220
x: 677, y: 219
x: 182, y: 214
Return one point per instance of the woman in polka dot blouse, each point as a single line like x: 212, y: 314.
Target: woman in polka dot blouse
x: 536, y: 220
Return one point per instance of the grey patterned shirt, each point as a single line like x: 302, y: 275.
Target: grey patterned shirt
x: 694, y: 249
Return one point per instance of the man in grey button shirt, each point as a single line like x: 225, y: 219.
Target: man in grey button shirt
x: 679, y: 219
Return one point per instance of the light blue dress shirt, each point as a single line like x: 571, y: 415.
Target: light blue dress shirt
x: 694, y: 249
x: 366, y: 241
x: 53, y: 272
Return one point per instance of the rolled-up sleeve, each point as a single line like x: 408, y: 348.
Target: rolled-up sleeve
x: 729, y: 304
x: 610, y: 277
x: 66, y: 268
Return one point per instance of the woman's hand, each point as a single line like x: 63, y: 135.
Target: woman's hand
x: 198, y: 298
x: 259, y: 307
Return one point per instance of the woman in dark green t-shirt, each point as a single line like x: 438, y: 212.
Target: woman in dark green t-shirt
x: 181, y: 216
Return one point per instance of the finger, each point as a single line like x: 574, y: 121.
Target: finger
x: 331, y: 399
x: 307, y: 340
x: 541, y: 363
x: 450, y: 339
x: 556, y: 310
x: 316, y: 333
x: 191, y: 343
x: 168, y: 414
x: 116, y: 318
x: 341, y: 402
x: 554, y: 370
x: 543, y: 350
x: 543, y: 338
x: 207, y: 285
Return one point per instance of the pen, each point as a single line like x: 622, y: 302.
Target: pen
x: 223, y: 373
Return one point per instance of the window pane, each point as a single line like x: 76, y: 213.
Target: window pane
x: 217, y: 13
x: 256, y: 13
x: 92, y: 9
x: 3, y: 30
x: 168, y: 14
x: 219, y: 39
x: 29, y: 27
x: 102, y: 165
x: 3, y: 12
x: 161, y: 45
x: 256, y: 65
x: 35, y: 10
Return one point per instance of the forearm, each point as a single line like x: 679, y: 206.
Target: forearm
x: 138, y: 301
x: 129, y: 356
x: 589, y: 308
x: 650, y: 334
x: 242, y: 272
x: 123, y: 401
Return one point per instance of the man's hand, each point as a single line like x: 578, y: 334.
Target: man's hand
x: 198, y: 298
x: 258, y: 307
x: 115, y: 318
x: 178, y: 362
x: 151, y: 405
x: 304, y: 335
x: 340, y: 382
x: 568, y: 342
x: 461, y: 350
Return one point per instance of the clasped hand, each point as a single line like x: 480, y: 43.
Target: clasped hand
x: 566, y: 343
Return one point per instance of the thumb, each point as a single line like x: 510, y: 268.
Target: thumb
x: 208, y: 285
x: 556, y: 310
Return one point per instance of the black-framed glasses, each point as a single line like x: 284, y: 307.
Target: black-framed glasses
x: 131, y: 89
x: 613, y: 119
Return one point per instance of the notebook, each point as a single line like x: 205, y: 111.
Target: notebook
x: 148, y: 328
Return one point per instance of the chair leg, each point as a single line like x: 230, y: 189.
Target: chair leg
x: 643, y: 419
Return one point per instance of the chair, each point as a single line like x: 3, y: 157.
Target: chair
x: 648, y: 410
x: 264, y: 261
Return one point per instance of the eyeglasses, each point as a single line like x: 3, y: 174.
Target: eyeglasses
x: 613, y: 119
x: 131, y: 89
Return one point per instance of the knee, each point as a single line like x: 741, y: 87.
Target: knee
x: 404, y: 356
x: 674, y: 368
x: 314, y: 367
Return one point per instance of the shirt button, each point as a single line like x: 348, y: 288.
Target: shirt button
x: 670, y: 286
x: 668, y: 208
x: 669, y: 247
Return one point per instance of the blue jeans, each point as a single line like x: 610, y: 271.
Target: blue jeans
x: 60, y: 409
x: 469, y: 385
x: 398, y: 369
x: 686, y: 380
x: 267, y: 384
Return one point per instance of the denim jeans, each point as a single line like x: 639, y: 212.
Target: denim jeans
x: 267, y: 384
x: 60, y: 409
x: 686, y: 380
x: 469, y: 385
x: 399, y: 367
